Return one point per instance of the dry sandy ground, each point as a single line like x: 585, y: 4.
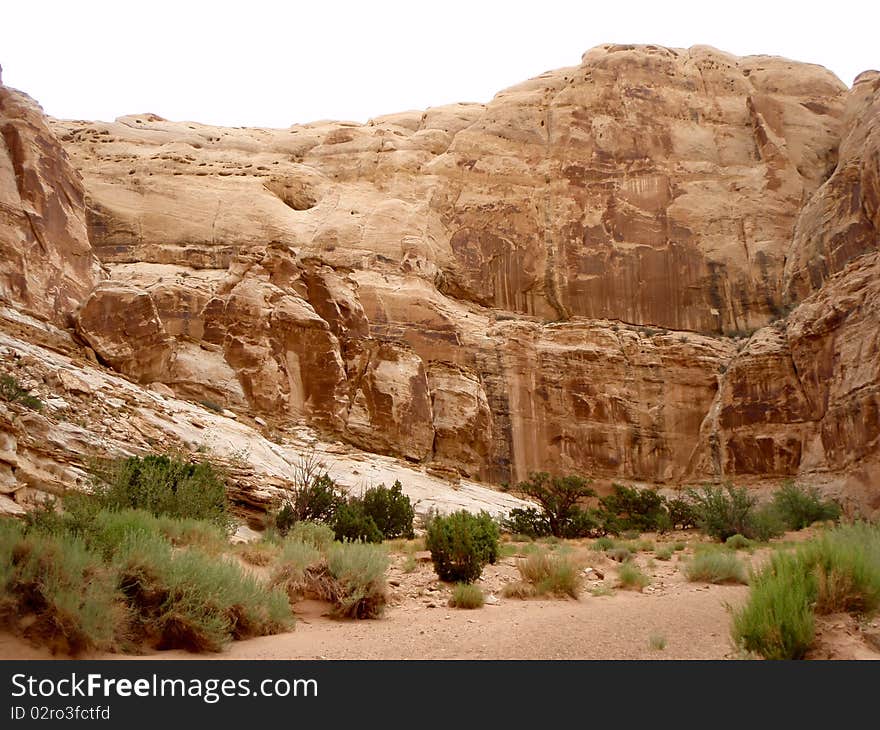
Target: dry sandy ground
x: 690, y: 620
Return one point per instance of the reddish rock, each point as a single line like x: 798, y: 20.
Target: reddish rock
x: 47, y: 267
x: 121, y: 324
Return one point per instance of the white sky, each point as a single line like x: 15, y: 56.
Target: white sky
x: 260, y: 63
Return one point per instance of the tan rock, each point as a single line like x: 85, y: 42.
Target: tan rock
x: 284, y: 355
x: 391, y: 407
x: 47, y: 266
x: 122, y: 325
x: 462, y: 419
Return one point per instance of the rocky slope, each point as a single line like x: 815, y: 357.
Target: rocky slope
x: 659, y: 266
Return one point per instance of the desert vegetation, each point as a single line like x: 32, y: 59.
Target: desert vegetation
x: 462, y: 544
x: 837, y: 572
x: 144, y: 562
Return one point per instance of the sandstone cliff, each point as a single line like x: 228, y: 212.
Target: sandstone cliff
x: 658, y: 266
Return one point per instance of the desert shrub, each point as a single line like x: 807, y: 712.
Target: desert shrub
x: 188, y: 532
x: 317, y: 534
x: 679, y: 546
x: 461, y: 544
x: 299, y: 554
x: 300, y: 571
x: 519, y: 589
x: 467, y: 595
x: 111, y: 530
x: 62, y: 587
x: 359, y: 573
x: 352, y: 524
x: 846, y: 564
x: 580, y: 523
x: 315, y: 500
x: 311, y: 494
x: 260, y: 553
x: 839, y: 571
x: 527, y: 521
x: 602, y: 543
x: 630, y: 509
x: 558, y: 497
x: 664, y: 553
x: 631, y: 577
x: 738, y: 542
x: 723, y: 512
x: 163, y: 485
x: 682, y: 514
x: 799, y: 506
x: 657, y: 642
x: 716, y: 566
x: 765, y: 522
x: 777, y: 622
x: 11, y: 391
x: 550, y: 574
x: 619, y: 554
x: 187, y: 600
x: 390, y: 509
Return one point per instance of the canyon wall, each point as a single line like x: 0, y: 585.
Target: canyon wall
x: 659, y: 266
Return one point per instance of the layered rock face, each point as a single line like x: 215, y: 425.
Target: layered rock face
x: 659, y: 265
x: 46, y: 262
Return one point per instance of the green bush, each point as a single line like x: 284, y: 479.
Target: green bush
x: 549, y: 573
x: 627, y: 508
x: 391, y: 510
x: 358, y: 570
x: 163, y: 485
x: 619, y: 554
x: 716, y: 566
x: 602, y: 543
x: 664, y: 553
x: 631, y: 577
x: 293, y: 572
x: 799, y: 506
x: 581, y: 523
x: 299, y: 555
x: 467, y: 595
x: 317, y: 534
x: 527, y: 521
x: 461, y: 544
x: 846, y: 564
x: 738, y: 542
x: 839, y: 571
x: 11, y: 391
x: 765, y: 522
x: 558, y: 497
x: 190, y: 601
x: 315, y: 498
x: 777, y: 622
x: 62, y: 586
x: 723, y: 512
x: 682, y: 514
x: 353, y: 524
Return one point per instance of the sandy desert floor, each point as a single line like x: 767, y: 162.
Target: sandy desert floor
x: 688, y: 620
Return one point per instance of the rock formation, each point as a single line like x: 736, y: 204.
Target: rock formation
x: 46, y: 262
x: 657, y: 266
